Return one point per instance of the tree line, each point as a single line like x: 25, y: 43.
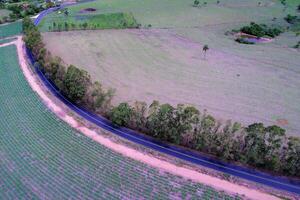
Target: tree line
x: 73, y: 82
x: 257, y: 145
x: 261, y: 30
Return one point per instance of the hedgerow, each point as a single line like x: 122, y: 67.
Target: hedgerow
x: 260, y: 146
x: 93, y: 22
x: 261, y: 30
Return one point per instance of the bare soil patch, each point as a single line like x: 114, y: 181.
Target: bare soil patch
x: 282, y: 122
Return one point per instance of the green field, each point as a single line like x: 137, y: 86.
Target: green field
x: 41, y: 157
x: 248, y: 84
x: 7, y: 30
x: 99, y: 21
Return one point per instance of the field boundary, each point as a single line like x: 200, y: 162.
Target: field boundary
x: 252, y: 175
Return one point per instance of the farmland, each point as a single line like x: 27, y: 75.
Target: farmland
x: 100, y: 21
x: 166, y: 63
x: 41, y: 157
x: 7, y: 30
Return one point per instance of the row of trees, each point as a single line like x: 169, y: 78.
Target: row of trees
x: 256, y: 145
x: 75, y: 83
x: 261, y: 30
x: 297, y: 46
x: 69, y: 26
x: 292, y: 19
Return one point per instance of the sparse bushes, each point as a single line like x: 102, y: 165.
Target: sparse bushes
x: 76, y: 82
x: 260, y: 30
x: 256, y: 145
x: 197, y: 3
x: 2, y: 5
x: 121, y: 114
x: 283, y: 2
x: 292, y: 19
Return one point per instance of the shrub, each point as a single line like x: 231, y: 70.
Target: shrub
x: 98, y: 99
x: 76, y: 82
x: 121, y: 114
x: 261, y: 30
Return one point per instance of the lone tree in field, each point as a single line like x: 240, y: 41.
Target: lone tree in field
x: 196, y: 3
x: 205, y: 49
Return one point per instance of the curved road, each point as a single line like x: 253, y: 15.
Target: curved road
x: 276, y: 182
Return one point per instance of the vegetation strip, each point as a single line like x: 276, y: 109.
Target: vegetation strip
x: 93, y: 22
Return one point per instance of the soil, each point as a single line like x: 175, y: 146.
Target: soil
x: 282, y: 122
